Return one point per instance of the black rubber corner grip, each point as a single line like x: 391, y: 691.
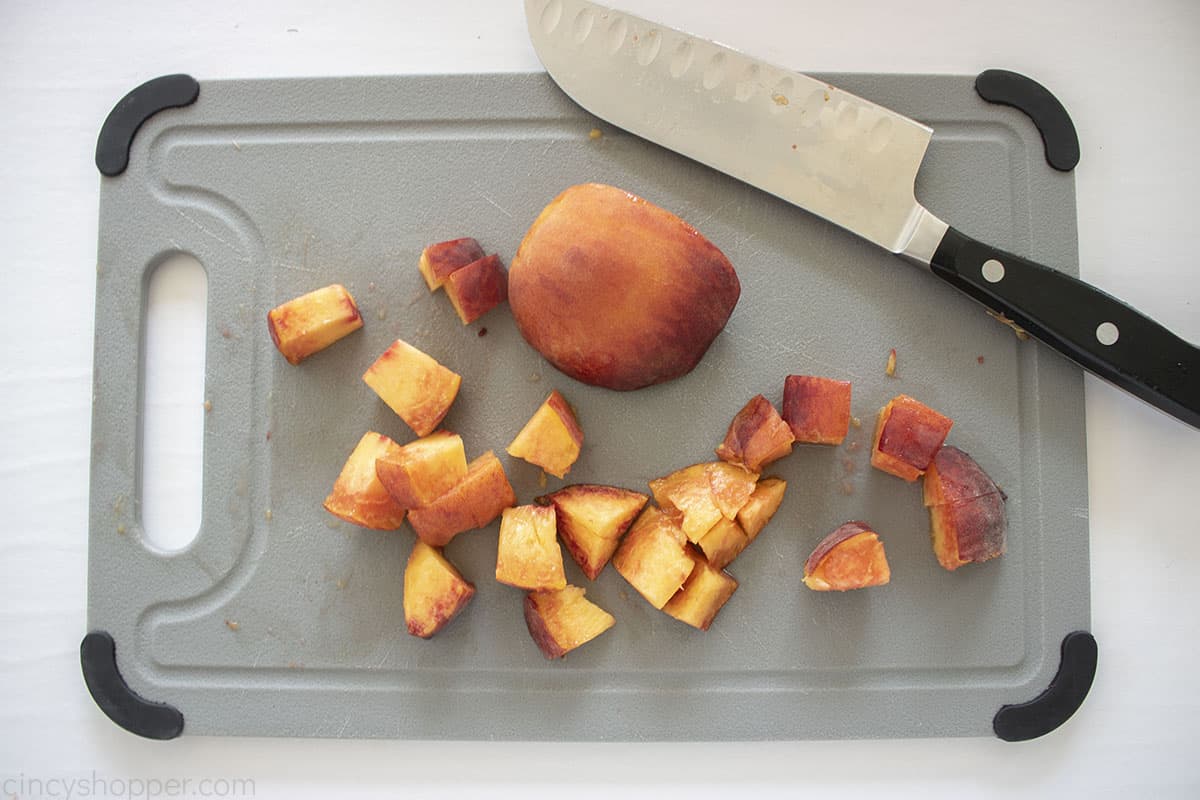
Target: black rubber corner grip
x: 1062, y: 698
x: 1059, y: 139
x: 98, y: 656
x: 127, y: 116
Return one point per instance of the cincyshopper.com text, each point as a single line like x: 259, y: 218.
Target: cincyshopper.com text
x: 30, y: 787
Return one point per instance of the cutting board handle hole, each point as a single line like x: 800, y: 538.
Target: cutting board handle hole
x: 174, y: 405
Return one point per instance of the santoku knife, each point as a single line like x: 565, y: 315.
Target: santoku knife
x: 850, y: 161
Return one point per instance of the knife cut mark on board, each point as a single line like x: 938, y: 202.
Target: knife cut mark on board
x: 493, y: 203
x: 294, y: 267
x: 205, y: 230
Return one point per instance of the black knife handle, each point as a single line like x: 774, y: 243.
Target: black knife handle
x: 1079, y: 321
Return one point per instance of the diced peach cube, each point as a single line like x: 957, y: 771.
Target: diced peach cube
x: 731, y: 487
x: 851, y: 557
x: 434, y: 591
x: 551, y: 439
x: 966, y: 510
x: 954, y: 477
x: 477, y: 288
x: 969, y: 532
x: 473, y: 502
x: 706, y: 590
x: 422, y: 471
x: 653, y: 557
x: 312, y: 322
x: 414, y: 385
x: 907, y: 436
x: 816, y: 409
x: 703, y: 493
x: 761, y: 506
x: 440, y: 260
x: 756, y: 437
x: 528, y: 555
x: 687, y: 493
x: 357, y: 495
x: 591, y: 520
x: 723, y: 543
x: 559, y: 621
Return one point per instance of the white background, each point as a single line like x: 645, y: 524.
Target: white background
x: 1128, y: 72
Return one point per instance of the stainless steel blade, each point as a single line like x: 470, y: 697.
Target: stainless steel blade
x: 828, y: 151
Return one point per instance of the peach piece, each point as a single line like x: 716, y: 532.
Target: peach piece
x: 703, y: 594
x: 723, y: 543
x: 528, y: 555
x: 756, y: 437
x: 687, y: 493
x: 312, y: 322
x: 422, y: 471
x: 816, y: 409
x: 591, y: 520
x: 438, y: 261
x: 731, y: 486
x: 434, y: 591
x: 851, y: 557
x: 357, y: 495
x: 477, y: 288
x: 414, y: 385
x: 653, y: 557
x: 966, y: 510
x: 907, y: 435
x: 761, y: 506
x: 703, y: 493
x: 474, y: 501
x: 551, y: 439
x: 954, y: 477
x: 970, y: 532
x: 559, y: 621
x: 617, y: 292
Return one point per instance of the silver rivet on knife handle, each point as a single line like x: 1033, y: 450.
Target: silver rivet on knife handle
x: 993, y: 270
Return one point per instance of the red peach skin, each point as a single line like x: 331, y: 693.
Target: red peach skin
x: 617, y: 292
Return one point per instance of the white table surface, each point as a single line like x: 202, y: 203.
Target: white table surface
x: 1129, y: 73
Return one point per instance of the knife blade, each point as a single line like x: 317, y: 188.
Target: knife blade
x: 850, y: 161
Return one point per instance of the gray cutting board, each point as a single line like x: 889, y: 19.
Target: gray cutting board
x: 279, y: 187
